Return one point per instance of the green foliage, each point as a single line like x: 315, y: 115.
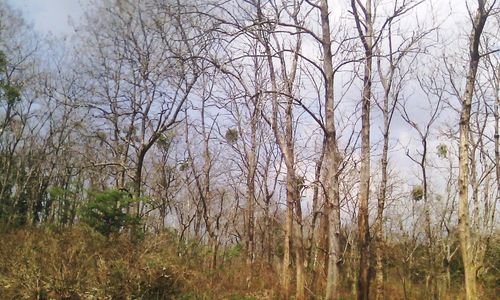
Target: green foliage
x: 9, y: 92
x: 417, y: 193
x: 3, y: 61
x: 490, y: 274
x: 232, y: 135
x: 234, y: 251
x: 183, y: 166
x: 57, y: 192
x: 64, y: 199
x: 301, y: 182
x: 442, y: 150
x: 165, y: 142
x: 101, y: 135
x: 106, y: 212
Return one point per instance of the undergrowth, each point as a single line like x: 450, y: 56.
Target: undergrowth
x: 79, y: 263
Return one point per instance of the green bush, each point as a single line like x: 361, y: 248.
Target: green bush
x: 106, y: 212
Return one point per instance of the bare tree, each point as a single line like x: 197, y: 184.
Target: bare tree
x: 434, y: 97
x: 392, y: 80
x: 137, y: 97
x: 331, y: 163
x: 364, y: 25
x: 478, y: 19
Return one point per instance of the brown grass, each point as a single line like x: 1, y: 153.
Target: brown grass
x: 80, y: 264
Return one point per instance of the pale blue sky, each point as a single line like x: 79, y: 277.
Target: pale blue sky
x: 50, y: 15
x: 54, y: 15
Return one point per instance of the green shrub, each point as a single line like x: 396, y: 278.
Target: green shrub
x: 106, y: 212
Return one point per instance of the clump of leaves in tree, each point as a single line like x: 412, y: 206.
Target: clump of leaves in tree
x: 164, y: 141
x: 442, y: 150
x: 417, y: 193
x: 301, y: 182
x: 106, y: 212
x: 232, y: 135
x: 183, y: 166
x: 8, y: 91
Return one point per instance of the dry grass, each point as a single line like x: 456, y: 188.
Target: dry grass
x: 80, y: 264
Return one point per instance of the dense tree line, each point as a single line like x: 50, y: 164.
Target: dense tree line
x: 350, y: 146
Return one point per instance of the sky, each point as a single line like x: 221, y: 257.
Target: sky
x: 50, y: 16
x: 57, y: 16
x: 54, y: 16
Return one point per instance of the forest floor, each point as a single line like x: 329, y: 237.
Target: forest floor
x: 78, y: 263
x: 81, y: 264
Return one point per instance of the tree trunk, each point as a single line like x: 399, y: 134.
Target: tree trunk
x: 285, y: 144
x: 332, y: 203
x: 138, y: 179
x: 497, y: 129
x: 364, y: 176
x: 252, y: 165
x: 464, y: 227
x: 379, y: 234
x: 431, y: 280
x: 314, y: 239
x: 285, y: 141
x: 384, y: 160
x: 298, y: 238
x: 288, y: 238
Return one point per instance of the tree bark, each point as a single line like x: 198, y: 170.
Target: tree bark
x: 497, y: 129
x: 331, y: 182
x: 315, y: 248
x: 364, y: 176
x: 252, y: 166
x: 285, y: 140
x: 464, y: 226
x: 284, y: 144
x: 379, y: 234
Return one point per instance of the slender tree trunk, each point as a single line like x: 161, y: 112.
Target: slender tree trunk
x: 431, y: 278
x: 332, y: 203
x: 293, y: 200
x: 138, y: 179
x: 384, y: 160
x: 314, y: 239
x: 322, y: 245
x: 379, y: 235
x: 285, y: 141
x: 206, y: 191
x: 252, y: 165
x: 497, y: 130
x: 464, y: 226
x: 334, y: 251
x: 286, y: 147
x: 288, y: 238
x: 299, y: 240
x: 267, y: 244
x: 364, y: 176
